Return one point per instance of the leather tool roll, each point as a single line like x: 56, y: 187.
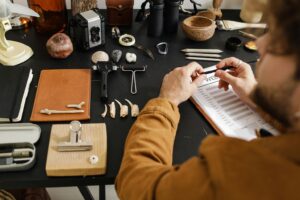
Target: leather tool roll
x: 119, y: 12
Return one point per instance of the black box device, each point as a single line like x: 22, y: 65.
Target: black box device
x: 87, y: 29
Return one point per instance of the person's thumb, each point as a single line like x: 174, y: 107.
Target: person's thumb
x: 225, y: 76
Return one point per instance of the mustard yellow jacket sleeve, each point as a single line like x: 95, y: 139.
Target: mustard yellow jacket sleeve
x: 225, y: 168
x: 146, y: 171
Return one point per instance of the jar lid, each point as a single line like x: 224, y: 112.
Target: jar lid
x: 233, y: 43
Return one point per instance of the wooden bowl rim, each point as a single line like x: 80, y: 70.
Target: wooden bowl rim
x: 197, y: 27
x: 203, y: 12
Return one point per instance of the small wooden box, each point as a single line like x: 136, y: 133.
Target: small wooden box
x: 77, y: 163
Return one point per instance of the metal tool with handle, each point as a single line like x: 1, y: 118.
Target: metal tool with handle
x: 133, y: 70
x: 104, y: 68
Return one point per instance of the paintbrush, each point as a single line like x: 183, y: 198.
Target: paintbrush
x: 229, y: 25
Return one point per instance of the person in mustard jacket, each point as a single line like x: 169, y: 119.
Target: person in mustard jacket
x: 225, y: 168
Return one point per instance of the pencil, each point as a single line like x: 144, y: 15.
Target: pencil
x: 212, y: 71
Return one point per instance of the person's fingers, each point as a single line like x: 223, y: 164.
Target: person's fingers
x: 232, y: 61
x: 226, y: 87
x: 195, y: 74
x: 233, y: 73
x: 225, y: 76
x: 193, y: 67
x: 222, y: 84
x: 197, y: 81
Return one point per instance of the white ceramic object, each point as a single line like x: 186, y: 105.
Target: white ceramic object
x: 131, y: 57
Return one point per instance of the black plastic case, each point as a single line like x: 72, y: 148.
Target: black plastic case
x: 87, y: 29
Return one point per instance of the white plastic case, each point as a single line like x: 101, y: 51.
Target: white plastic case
x: 21, y: 135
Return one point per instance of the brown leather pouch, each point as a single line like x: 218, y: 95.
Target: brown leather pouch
x: 119, y: 12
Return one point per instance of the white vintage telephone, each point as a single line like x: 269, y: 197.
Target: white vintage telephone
x: 11, y: 52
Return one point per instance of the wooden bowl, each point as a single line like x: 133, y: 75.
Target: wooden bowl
x: 198, y: 28
x: 207, y: 13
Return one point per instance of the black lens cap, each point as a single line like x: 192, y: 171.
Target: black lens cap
x: 233, y: 43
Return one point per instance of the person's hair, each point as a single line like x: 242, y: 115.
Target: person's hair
x: 284, y: 21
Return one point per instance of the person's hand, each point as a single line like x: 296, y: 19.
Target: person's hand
x: 181, y: 83
x: 241, y: 78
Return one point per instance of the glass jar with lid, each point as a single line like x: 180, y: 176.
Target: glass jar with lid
x: 53, y: 16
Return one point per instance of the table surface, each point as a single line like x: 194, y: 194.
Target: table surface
x: 192, y: 127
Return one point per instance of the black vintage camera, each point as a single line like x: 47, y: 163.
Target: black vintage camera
x: 87, y: 29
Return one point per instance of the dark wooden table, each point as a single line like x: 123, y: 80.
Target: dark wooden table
x: 192, y: 128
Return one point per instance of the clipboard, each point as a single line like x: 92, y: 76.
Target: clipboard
x: 226, y: 113
x: 208, y: 118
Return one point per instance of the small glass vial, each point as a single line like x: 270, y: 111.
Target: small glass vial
x: 53, y: 16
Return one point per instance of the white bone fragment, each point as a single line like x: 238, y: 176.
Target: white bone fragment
x: 50, y: 112
x: 134, y: 108
x: 105, y: 111
x: 78, y: 106
x: 123, y: 109
x: 112, y: 109
x: 130, y: 57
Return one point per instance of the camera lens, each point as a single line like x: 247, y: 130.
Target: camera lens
x: 171, y: 16
x: 155, y: 21
x: 95, y: 34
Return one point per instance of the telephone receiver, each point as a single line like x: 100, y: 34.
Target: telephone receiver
x: 11, y: 52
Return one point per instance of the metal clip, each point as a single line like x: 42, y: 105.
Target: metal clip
x: 162, y: 48
x: 75, y: 143
x: 133, y: 70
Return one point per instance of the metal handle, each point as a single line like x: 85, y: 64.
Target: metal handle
x: 103, y: 89
x: 133, y: 89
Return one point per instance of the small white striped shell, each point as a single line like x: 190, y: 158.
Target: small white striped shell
x: 100, y: 56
